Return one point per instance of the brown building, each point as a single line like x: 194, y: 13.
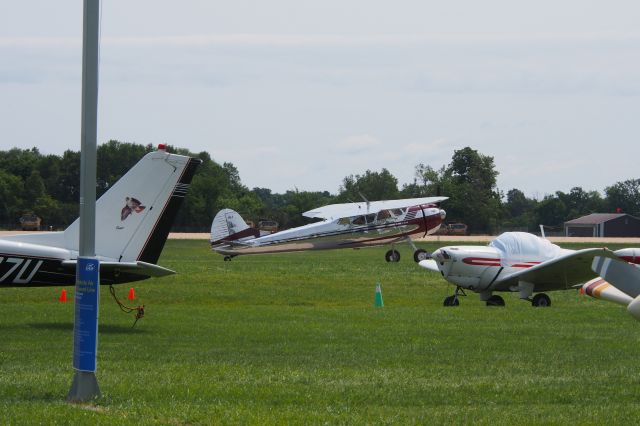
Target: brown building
x: 603, y: 225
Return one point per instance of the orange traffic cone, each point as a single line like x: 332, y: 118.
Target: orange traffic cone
x: 63, y: 295
x: 132, y: 294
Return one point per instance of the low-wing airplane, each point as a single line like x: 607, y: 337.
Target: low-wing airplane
x: 618, y: 281
x: 515, y: 262
x: 348, y: 225
x: 133, y: 219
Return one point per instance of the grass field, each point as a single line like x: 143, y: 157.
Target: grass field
x: 296, y: 339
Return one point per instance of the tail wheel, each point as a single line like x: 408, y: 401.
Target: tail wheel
x: 420, y: 254
x: 495, y: 300
x: 392, y: 256
x: 541, y: 300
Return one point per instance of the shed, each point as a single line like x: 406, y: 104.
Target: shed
x: 603, y: 225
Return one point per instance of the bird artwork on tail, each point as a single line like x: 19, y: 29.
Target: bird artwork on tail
x: 131, y: 205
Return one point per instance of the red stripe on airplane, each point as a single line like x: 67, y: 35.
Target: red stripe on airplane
x: 593, y: 286
x: 481, y: 261
x: 630, y: 259
x: 489, y: 261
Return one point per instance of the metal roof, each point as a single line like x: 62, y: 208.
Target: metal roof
x: 596, y: 218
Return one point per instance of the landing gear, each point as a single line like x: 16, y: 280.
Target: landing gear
x: 392, y: 256
x: 495, y: 300
x: 420, y: 254
x: 541, y: 300
x: 451, y: 301
x: 228, y: 258
x: 454, y: 300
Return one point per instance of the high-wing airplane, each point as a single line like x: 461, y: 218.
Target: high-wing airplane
x: 516, y: 262
x: 348, y: 225
x: 618, y: 281
x: 133, y: 219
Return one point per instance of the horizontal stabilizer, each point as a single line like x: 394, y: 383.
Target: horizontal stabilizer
x: 624, y: 276
x: 137, y: 268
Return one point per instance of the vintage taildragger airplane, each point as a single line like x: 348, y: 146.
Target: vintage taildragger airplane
x: 618, y: 281
x: 349, y: 225
x: 516, y: 262
x: 133, y: 219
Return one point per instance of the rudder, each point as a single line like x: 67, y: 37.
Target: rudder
x: 228, y: 225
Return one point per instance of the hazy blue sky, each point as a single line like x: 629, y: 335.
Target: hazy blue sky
x: 303, y: 93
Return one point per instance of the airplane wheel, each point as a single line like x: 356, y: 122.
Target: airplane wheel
x: 392, y: 256
x: 420, y: 254
x: 495, y: 300
x: 451, y: 301
x: 541, y: 300
x: 227, y: 258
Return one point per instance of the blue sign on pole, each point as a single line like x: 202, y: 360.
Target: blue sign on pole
x: 85, y: 330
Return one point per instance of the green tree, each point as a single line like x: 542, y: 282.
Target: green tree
x: 10, y: 203
x: 470, y: 182
x: 33, y: 189
x: 624, y: 196
x: 551, y: 211
x: 372, y: 185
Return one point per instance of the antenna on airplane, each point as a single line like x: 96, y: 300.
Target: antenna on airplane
x: 365, y: 200
x: 542, y: 231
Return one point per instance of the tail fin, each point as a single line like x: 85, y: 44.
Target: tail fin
x: 228, y: 225
x: 134, y: 216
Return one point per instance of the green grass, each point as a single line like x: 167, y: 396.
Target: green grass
x: 295, y: 338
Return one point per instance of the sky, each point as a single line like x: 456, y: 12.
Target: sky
x: 300, y: 94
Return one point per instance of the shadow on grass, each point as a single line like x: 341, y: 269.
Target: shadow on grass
x: 102, y: 328
x: 52, y: 325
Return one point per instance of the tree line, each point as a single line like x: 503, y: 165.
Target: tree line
x: 48, y: 185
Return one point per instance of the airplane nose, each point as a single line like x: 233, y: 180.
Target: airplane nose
x: 443, y: 214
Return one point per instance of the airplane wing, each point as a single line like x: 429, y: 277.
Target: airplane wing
x: 335, y: 211
x: 622, y: 275
x: 560, y: 273
x: 137, y: 268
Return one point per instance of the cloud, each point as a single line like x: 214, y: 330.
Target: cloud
x: 358, y: 143
x: 335, y: 40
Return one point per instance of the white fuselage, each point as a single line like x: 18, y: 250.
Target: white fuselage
x: 477, y: 267
x: 347, y: 232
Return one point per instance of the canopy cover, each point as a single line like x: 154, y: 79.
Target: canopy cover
x: 519, y: 247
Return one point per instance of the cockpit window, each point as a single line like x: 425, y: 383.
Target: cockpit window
x: 383, y: 214
x: 363, y: 220
x: 344, y: 221
x: 358, y: 220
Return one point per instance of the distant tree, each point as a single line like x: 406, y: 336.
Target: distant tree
x: 624, y: 196
x: 33, y: 189
x: 551, y: 211
x: 470, y: 182
x: 11, y: 187
x: 517, y: 203
x: 580, y: 202
x: 372, y: 186
x: 428, y: 182
x: 19, y: 162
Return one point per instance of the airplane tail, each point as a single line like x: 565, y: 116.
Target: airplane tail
x: 229, y: 226
x: 619, y: 275
x: 134, y: 216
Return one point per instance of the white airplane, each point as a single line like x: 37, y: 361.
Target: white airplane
x: 348, y: 225
x: 618, y: 281
x: 515, y: 262
x: 133, y: 219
